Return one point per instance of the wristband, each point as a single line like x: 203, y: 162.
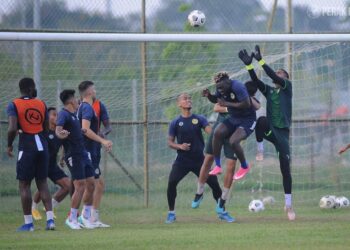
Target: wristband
x: 249, y: 67
x: 262, y: 62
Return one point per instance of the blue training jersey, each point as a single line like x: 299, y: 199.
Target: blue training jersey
x: 74, y: 143
x: 86, y: 112
x: 189, y: 130
x: 238, y: 93
x: 54, y: 144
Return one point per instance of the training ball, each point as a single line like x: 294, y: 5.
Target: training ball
x: 342, y: 201
x: 256, y: 206
x: 268, y: 200
x: 327, y: 201
x: 196, y: 18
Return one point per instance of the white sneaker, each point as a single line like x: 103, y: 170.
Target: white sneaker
x: 259, y: 156
x: 85, y: 223
x: 290, y: 213
x: 100, y: 224
x: 72, y: 224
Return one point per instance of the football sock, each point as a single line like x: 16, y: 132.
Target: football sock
x: 172, y: 212
x: 224, y: 193
x: 87, y: 211
x: 288, y: 200
x: 35, y: 205
x: 95, y: 214
x: 73, y: 214
x: 49, y: 215
x: 200, y: 188
x: 28, y: 219
x: 217, y: 161
x: 244, y: 165
x: 260, y: 146
x: 222, y: 203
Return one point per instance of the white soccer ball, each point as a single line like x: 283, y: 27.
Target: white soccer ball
x: 327, y: 201
x: 196, y: 18
x: 256, y: 206
x: 268, y: 200
x: 342, y: 201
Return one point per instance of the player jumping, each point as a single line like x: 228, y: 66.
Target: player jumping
x: 241, y: 123
x: 275, y: 126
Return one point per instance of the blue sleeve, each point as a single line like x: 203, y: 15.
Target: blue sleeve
x: 217, y: 94
x: 11, y: 110
x: 104, y: 113
x: 87, y: 112
x: 239, y: 90
x: 203, y: 121
x: 61, y: 119
x: 172, y: 128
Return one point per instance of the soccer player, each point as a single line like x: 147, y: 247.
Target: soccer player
x: 233, y: 95
x: 208, y: 161
x: 82, y: 173
x: 55, y: 173
x: 187, y: 130
x: 103, y: 118
x: 275, y: 126
x: 90, y: 127
x: 230, y: 159
x: 27, y: 116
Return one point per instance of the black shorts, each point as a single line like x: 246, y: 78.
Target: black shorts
x: 56, y: 173
x: 247, y: 124
x: 80, y: 166
x: 228, y: 151
x: 32, y: 164
x: 95, y: 161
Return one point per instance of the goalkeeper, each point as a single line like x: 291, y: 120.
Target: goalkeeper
x: 275, y: 126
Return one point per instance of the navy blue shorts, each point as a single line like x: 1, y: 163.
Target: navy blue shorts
x: 32, y: 164
x: 95, y: 160
x: 80, y: 166
x: 56, y: 173
x: 247, y: 124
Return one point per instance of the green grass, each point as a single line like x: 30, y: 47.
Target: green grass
x: 139, y: 228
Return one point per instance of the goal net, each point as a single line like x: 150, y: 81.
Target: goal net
x: 320, y: 75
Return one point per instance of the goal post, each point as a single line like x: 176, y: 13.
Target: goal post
x: 186, y: 62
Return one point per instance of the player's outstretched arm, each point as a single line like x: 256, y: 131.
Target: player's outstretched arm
x: 270, y: 72
x: 61, y: 133
x: 343, y: 149
x: 93, y: 136
x: 247, y: 60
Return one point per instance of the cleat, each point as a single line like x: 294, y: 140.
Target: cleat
x: 36, y: 214
x: 100, y: 224
x: 290, y: 213
x: 171, y: 218
x: 197, y: 200
x: 50, y: 225
x: 219, y: 210
x: 26, y: 228
x: 72, y: 224
x: 215, y: 171
x: 85, y: 223
x: 226, y: 217
x: 241, y: 173
x: 259, y: 156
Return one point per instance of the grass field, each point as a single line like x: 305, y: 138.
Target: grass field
x: 140, y: 228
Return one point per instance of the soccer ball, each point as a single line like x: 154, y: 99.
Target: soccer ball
x: 342, y: 201
x: 327, y: 201
x: 256, y: 206
x: 196, y: 18
x: 268, y: 200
